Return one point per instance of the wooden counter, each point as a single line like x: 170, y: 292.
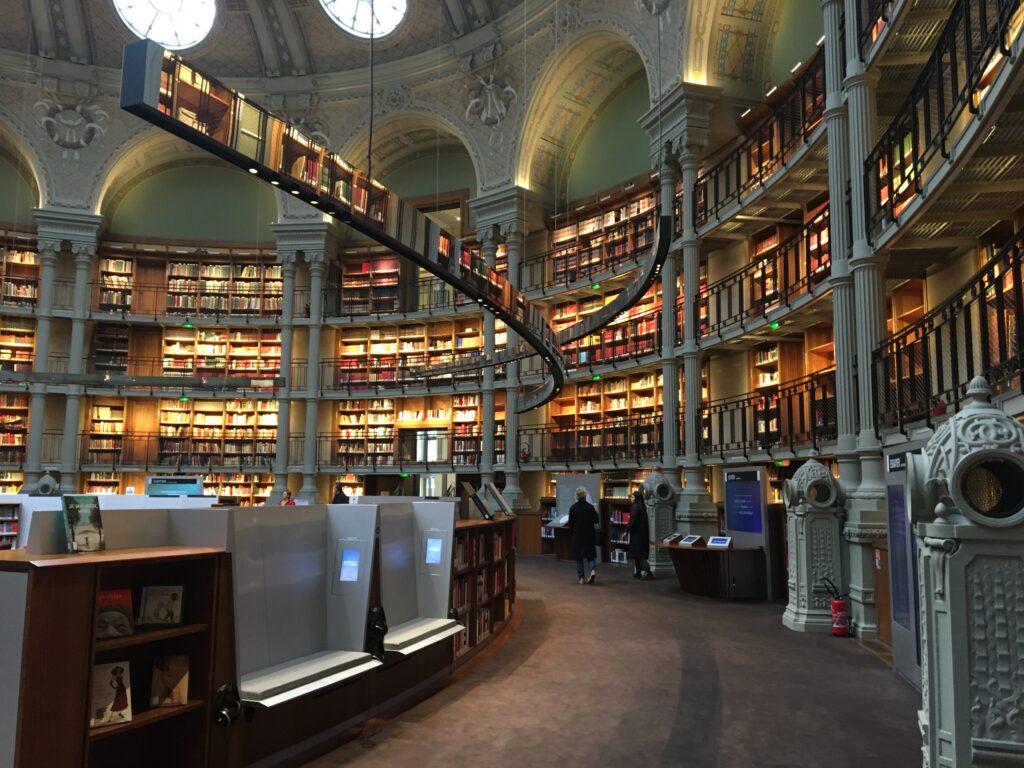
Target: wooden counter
x: 734, y: 574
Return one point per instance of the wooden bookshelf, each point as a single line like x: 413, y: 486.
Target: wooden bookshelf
x: 10, y: 515
x: 217, y: 432
x: 820, y: 347
x: 772, y: 364
x: 354, y: 485
x: 98, y: 483
x: 14, y: 416
x: 483, y: 581
x: 906, y: 305
x: 17, y: 343
x: 632, y: 334
x: 11, y: 482
x: 110, y: 348
x: 249, y: 352
x: 243, y: 489
x: 19, y: 277
x: 105, y: 431
x: 618, y: 512
x: 60, y: 652
x: 116, y: 283
x: 210, y: 287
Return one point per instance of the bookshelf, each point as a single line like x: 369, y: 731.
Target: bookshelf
x: 618, y: 510
x: 9, y: 517
x: 110, y: 348
x: 773, y: 363
x: 249, y: 352
x: 370, y: 282
x: 202, y: 287
x: 105, y: 431
x: 59, y: 651
x: 19, y: 277
x: 483, y: 581
x: 97, y: 483
x: 633, y: 334
x: 906, y: 305
x: 13, y: 427
x: 11, y: 482
x: 820, y: 347
x: 116, y: 281
x: 17, y: 343
x: 243, y: 489
x: 239, y: 433
x: 354, y: 485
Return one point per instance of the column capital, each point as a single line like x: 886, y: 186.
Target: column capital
x: 505, y: 205
x: 287, y: 257
x: 488, y: 235
x: 316, y: 259
x: 62, y: 224
x: 48, y: 248
x: 683, y: 113
x: 83, y: 253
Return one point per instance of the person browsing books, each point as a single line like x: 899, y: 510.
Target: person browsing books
x: 639, y: 533
x: 583, y: 526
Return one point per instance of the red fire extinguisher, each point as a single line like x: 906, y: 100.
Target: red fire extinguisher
x: 841, y: 626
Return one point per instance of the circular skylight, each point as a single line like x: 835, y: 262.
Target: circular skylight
x: 361, y: 17
x: 175, y: 24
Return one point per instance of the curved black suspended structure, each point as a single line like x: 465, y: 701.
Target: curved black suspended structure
x: 163, y: 89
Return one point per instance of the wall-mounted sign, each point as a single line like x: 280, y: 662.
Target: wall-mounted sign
x: 744, y: 501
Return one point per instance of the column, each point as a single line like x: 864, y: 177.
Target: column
x: 488, y: 237
x: 669, y: 362
x: 84, y: 253
x: 284, y: 398
x: 48, y: 252
x: 867, y: 509
x: 695, y: 510
x: 514, y: 234
x: 317, y: 269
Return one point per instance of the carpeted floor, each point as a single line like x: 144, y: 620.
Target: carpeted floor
x: 639, y: 674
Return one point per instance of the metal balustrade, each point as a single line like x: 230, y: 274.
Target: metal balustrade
x: 922, y: 371
x: 212, y: 366
x: 182, y: 447
x: 379, y: 372
x: 872, y: 17
x: 638, y: 337
x: 613, y: 440
x: 393, y: 446
x: 795, y: 268
x: 968, y: 56
x: 765, y: 151
x: 797, y: 413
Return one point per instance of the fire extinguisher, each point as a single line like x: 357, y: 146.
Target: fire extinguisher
x: 841, y: 626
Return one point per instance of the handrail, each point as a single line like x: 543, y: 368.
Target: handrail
x: 767, y: 149
x: 956, y: 77
x: 797, y: 412
x: 923, y: 370
x: 792, y: 269
x: 632, y: 338
x: 631, y: 439
x: 872, y: 17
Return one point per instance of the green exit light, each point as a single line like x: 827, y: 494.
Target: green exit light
x: 596, y: 377
x: 183, y: 399
x: 404, y: 474
x: 595, y: 286
x: 188, y: 325
x: 774, y: 326
x: 780, y: 463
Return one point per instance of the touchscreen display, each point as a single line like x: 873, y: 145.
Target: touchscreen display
x: 433, y: 552
x: 349, y: 565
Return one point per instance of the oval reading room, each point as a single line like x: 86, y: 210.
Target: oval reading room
x: 511, y: 382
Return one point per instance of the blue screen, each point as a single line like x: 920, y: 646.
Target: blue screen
x: 744, y: 502
x: 349, y: 565
x: 433, y: 552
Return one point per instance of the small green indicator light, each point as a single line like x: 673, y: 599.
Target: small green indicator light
x: 183, y: 399
x: 596, y: 377
x: 188, y: 325
x: 774, y: 326
x: 404, y: 474
x: 780, y: 463
x: 596, y: 286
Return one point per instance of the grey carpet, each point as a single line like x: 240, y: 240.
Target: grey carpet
x: 639, y: 674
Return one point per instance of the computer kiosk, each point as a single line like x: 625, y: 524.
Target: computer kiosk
x: 416, y: 539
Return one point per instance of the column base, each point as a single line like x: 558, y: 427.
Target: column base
x: 280, y: 485
x: 810, y: 621
x: 697, y: 514
x: 308, y: 490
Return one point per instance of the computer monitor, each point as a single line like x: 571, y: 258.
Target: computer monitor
x: 349, y: 565
x: 433, y: 555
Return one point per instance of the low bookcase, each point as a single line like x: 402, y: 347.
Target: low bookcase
x: 49, y: 634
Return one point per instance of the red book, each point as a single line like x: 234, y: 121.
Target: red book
x: 114, y: 613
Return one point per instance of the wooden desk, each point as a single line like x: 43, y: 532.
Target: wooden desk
x: 734, y: 574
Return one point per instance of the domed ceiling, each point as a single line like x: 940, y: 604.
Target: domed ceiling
x: 250, y: 38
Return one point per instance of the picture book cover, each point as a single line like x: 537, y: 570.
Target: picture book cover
x: 114, y: 613
x: 160, y: 605
x: 170, y: 682
x: 111, y: 701
x: 82, y: 523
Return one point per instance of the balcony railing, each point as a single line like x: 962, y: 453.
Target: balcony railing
x: 210, y: 366
x: 791, y: 270
x: 378, y: 372
x: 872, y: 18
x: 393, y: 446
x: 966, y: 61
x: 922, y: 371
x: 637, y: 337
x: 797, y: 413
x: 766, y: 150
x: 625, y: 440
x: 179, y: 447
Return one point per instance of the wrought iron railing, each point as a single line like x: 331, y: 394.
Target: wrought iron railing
x: 766, y: 150
x: 966, y: 61
x: 793, y: 268
x: 796, y: 413
x: 394, y: 446
x: 921, y: 372
x: 632, y: 339
x: 872, y: 18
x: 368, y: 373
x: 636, y: 439
x: 179, y: 447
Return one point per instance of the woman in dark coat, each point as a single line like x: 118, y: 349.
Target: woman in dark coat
x: 582, y: 525
x: 639, y: 536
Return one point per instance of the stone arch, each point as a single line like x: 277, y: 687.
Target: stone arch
x: 15, y: 137
x: 599, y: 58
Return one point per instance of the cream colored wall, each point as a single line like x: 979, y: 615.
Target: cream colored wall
x: 944, y: 282
x: 730, y: 374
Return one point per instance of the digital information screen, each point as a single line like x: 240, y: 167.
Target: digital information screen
x: 349, y: 565
x: 433, y: 551
x: 744, y: 502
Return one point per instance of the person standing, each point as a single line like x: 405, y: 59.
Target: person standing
x: 639, y: 534
x: 340, y: 497
x: 286, y: 499
x: 583, y: 526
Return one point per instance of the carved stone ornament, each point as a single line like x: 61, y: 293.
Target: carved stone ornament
x: 812, y: 484
x: 653, y: 7
x: 70, y: 127
x: 952, y: 452
x: 392, y: 99
x: 490, y: 98
x: 569, y: 16
x: 656, y: 488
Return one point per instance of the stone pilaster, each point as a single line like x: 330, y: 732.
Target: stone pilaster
x: 669, y: 172
x: 317, y: 263
x: 488, y: 237
x: 49, y: 251
x: 514, y: 234
x: 867, y: 508
x: 287, y: 259
x: 695, y: 510
x: 85, y: 254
